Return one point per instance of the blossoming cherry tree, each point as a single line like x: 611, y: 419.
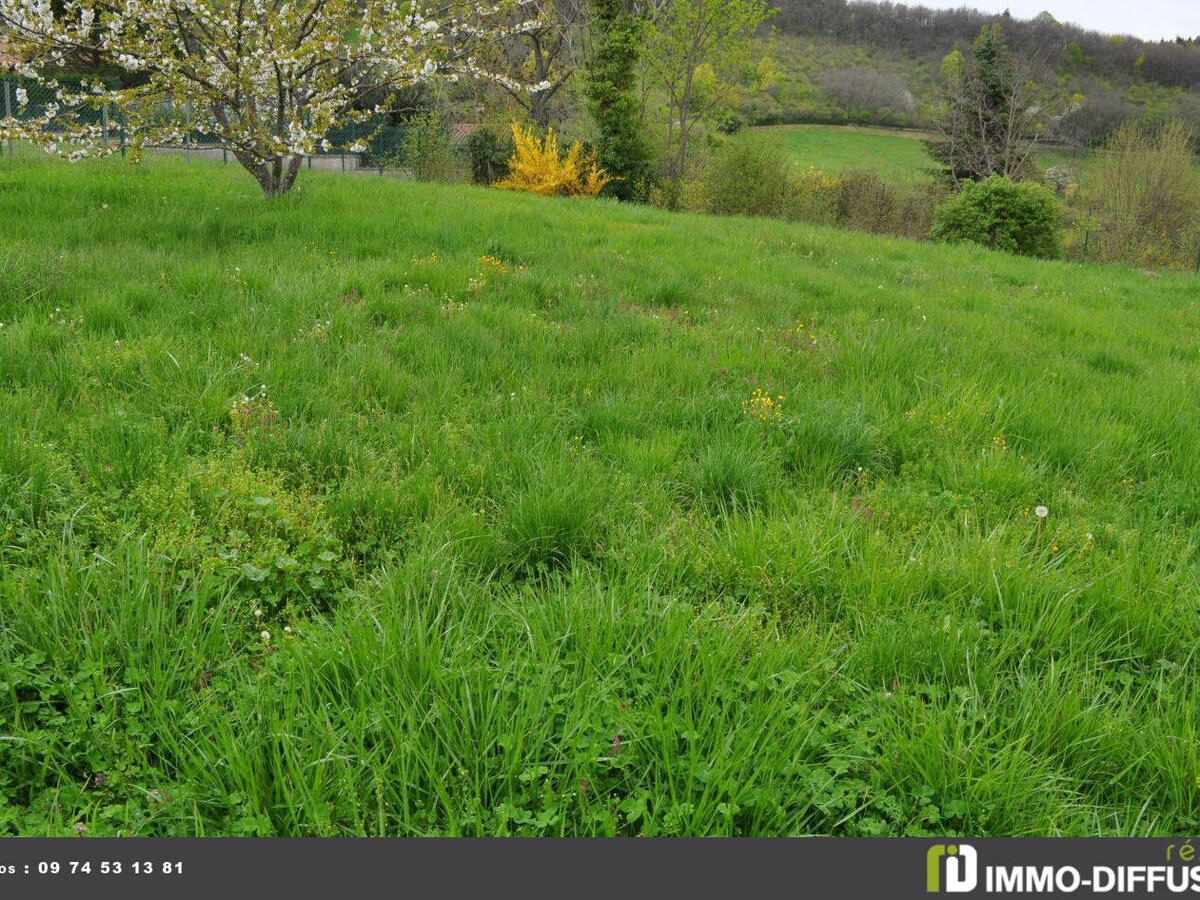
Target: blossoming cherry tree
x: 267, y: 80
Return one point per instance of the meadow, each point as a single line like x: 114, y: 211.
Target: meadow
x: 898, y: 155
x: 397, y: 508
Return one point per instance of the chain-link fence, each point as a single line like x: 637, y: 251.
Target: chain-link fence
x: 24, y: 99
x: 384, y: 138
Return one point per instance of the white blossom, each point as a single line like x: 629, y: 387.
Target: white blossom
x: 267, y: 80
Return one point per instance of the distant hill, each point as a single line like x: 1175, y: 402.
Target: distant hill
x: 879, y: 63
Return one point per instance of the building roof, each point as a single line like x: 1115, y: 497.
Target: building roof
x: 460, y: 131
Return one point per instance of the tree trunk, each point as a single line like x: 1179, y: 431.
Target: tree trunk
x: 539, y: 109
x: 275, y: 176
x: 685, y: 113
x: 539, y: 102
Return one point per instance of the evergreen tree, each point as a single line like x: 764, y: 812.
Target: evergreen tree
x: 612, y: 102
x: 987, y: 128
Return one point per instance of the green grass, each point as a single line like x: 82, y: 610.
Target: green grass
x: 896, y: 155
x: 531, y: 557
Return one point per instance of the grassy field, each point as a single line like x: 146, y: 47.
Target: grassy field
x: 395, y: 508
x: 897, y: 155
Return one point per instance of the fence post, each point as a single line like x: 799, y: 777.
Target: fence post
x: 8, y: 113
x: 104, y: 123
x: 187, y: 138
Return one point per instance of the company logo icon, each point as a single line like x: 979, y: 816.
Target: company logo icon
x: 960, y: 863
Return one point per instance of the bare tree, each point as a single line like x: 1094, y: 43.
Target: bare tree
x: 867, y: 89
x: 1090, y: 121
x: 545, y: 53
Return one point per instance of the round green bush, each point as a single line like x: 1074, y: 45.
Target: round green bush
x: 1019, y: 217
x: 750, y: 177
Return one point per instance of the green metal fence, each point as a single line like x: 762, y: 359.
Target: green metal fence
x: 384, y: 141
x: 37, y: 97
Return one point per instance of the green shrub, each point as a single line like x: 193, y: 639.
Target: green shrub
x: 1144, y: 196
x: 750, y: 177
x: 1019, y: 217
x: 730, y: 123
x: 813, y: 196
x: 427, y: 150
x: 868, y: 203
x: 610, y: 92
x: 755, y: 177
x: 488, y: 155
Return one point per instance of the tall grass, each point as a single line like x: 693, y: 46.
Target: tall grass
x: 568, y: 572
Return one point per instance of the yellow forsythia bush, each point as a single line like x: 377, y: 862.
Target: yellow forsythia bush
x: 537, y: 168
x: 813, y: 196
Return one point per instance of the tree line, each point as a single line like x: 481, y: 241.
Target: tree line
x: 1042, y: 42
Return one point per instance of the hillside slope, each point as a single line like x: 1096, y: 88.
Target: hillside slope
x: 879, y: 63
x: 899, y: 156
x: 406, y: 509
